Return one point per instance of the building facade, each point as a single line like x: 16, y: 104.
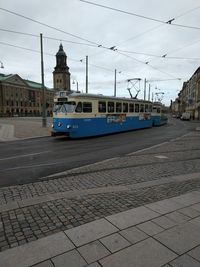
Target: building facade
x: 19, y: 97
x: 61, y: 74
x: 189, y: 96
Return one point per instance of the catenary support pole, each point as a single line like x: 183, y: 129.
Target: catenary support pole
x: 86, y: 82
x: 115, y: 83
x: 44, y: 118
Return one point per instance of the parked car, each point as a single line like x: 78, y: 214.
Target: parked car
x: 186, y: 116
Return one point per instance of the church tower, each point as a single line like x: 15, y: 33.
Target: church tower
x: 61, y: 74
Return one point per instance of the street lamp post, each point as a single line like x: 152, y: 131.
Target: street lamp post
x: 2, y: 67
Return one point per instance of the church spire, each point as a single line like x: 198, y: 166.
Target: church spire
x: 61, y: 73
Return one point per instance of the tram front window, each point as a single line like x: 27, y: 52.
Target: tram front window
x: 67, y: 107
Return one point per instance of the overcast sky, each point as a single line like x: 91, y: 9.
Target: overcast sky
x: 107, y: 28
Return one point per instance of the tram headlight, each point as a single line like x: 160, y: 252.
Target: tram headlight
x: 69, y: 126
x: 52, y: 125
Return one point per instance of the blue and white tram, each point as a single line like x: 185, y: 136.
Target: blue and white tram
x: 80, y: 115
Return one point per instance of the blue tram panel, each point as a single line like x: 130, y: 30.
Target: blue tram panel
x: 80, y: 115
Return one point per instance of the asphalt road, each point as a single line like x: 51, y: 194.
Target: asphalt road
x: 26, y: 161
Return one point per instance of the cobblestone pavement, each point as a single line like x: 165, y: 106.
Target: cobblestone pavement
x: 25, y: 224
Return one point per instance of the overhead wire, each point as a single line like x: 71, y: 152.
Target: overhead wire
x: 169, y: 22
x: 37, y: 51
x: 47, y: 37
x: 49, y: 26
x: 91, y: 42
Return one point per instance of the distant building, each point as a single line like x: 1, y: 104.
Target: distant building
x: 20, y: 97
x: 61, y: 74
x: 189, y: 96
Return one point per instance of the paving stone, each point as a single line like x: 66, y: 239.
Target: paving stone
x: 177, y: 217
x: 96, y: 230
x: 133, y: 234
x: 150, y: 228
x: 164, y: 222
x: 47, y: 263
x: 146, y: 253
x: 196, y: 221
x: 165, y: 206
x: 195, y: 253
x: 181, y: 238
x: 9, y: 206
x: 93, y: 251
x: 69, y: 259
x: 36, y: 251
x: 131, y: 217
x: 196, y: 207
x: 95, y: 264
x: 184, y: 261
x: 188, y: 199
x: 189, y: 211
x: 114, y: 242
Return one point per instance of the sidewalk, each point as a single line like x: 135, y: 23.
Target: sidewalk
x: 138, y: 210
x: 164, y: 233
x: 23, y: 127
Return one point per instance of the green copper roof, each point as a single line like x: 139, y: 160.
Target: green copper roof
x: 4, y: 77
x: 32, y: 84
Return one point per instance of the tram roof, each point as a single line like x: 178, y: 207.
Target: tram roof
x: 102, y: 97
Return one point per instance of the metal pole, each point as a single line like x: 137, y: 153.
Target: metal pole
x: 86, y: 75
x: 149, y: 92
x: 115, y: 84
x: 145, y: 84
x: 76, y: 86
x: 152, y: 97
x: 44, y: 118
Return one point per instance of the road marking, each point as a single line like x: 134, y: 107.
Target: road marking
x: 161, y: 157
x: 26, y: 155
x: 148, y: 148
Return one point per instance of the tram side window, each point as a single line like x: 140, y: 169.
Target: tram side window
x: 142, y: 108
x: 150, y: 108
x: 87, y: 107
x: 79, y: 107
x: 146, y: 108
x: 158, y: 110
x: 102, y: 106
x: 136, y: 108
x: 118, y: 107
x: 125, y: 107
x: 131, y: 107
x: 111, y: 107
